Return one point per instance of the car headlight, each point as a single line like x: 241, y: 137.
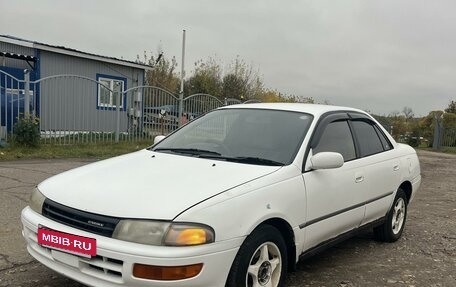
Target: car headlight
x: 141, y: 231
x: 36, y: 201
x: 163, y: 233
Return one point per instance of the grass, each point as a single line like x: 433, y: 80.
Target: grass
x: 50, y: 151
x: 443, y: 149
x: 449, y: 150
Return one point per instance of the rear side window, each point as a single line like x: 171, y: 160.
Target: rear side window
x: 369, y: 141
x: 337, y: 137
x: 385, y: 142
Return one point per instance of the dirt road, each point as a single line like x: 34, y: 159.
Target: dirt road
x: 425, y: 255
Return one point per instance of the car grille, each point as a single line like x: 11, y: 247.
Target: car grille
x: 90, y: 222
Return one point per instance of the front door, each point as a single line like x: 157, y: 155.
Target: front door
x: 334, y: 205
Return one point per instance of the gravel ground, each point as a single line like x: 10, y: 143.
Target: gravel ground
x: 424, y: 256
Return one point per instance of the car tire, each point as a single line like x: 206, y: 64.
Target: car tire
x: 391, y: 230
x: 261, y: 260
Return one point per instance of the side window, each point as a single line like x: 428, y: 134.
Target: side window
x: 337, y: 137
x: 385, y: 142
x: 369, y: 142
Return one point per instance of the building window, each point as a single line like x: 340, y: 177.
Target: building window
x: 107, y: 98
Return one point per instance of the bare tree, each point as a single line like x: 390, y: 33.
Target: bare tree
x: 163, y: 74
x: 408, y: 112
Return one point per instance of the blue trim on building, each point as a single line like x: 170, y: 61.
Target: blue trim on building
x: 124, y: 97
x: 12, y: 105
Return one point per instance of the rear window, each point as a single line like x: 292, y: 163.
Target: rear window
x: 369, y: 141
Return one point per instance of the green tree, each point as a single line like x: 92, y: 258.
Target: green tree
x: 426, y: 126
x: 399, y: 125
x: 270, y: 96
x: 300, y: 99
x: 449, y: 120
x: 242, y: 81
x: 206, y: 78
x: 233, y: 87
x: 451, y: 107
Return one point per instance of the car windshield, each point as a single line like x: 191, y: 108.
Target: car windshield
x: 254, y: 136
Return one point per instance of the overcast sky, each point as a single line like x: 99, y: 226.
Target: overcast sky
x: 377, y: 55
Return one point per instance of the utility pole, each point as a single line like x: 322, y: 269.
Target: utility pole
x: 181, y: 94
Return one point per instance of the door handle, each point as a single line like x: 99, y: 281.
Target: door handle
x: 359, y: 178
x: 396, y: 167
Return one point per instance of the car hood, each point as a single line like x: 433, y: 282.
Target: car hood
x: 147, y: 184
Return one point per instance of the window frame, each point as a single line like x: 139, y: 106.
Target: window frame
x: 349, y: 116
x: 112, y: 79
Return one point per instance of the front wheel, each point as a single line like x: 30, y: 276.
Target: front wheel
x: 391, y: 230
x: 261, y: 260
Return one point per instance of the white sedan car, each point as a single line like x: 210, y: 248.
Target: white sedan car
x: 234, y: 198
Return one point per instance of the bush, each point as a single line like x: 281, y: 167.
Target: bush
x: 414, y: 139
x: 413, y: 142
x: 26, y: 131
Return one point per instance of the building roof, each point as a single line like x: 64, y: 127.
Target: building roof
x: 71, y: 52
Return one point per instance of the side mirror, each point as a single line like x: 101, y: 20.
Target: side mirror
x: 326, y: 160
x: 158, y: 139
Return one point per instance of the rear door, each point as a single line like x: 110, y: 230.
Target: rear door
x: 379, y: 163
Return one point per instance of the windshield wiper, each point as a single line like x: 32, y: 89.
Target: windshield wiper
x: 191, y: 151
x: 202, y: 153
x: 245, y: 159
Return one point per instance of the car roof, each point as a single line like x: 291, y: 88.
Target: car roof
x: 313, y: 109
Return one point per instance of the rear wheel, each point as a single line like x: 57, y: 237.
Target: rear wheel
x: 261, y: 260
x: 391, y: 230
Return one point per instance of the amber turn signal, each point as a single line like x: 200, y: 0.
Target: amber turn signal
x: 166, y: 273
x: 191, y: 237
x: 188, y: 235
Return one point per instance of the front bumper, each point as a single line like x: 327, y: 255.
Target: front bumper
x: 113, y: 265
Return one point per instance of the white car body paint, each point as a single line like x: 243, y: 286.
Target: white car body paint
x: 232, y: 198
x: 152, y: 177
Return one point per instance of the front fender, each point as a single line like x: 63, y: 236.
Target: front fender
x: 238, y: 212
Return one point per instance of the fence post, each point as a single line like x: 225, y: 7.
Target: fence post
x: 181, y: 109
x: 121, y: 94
x: 26, y: 92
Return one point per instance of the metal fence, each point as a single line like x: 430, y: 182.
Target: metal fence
x: 76, y: 109
x: 444, y: 136
x: 11, y: 102
x: 449, y: 137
